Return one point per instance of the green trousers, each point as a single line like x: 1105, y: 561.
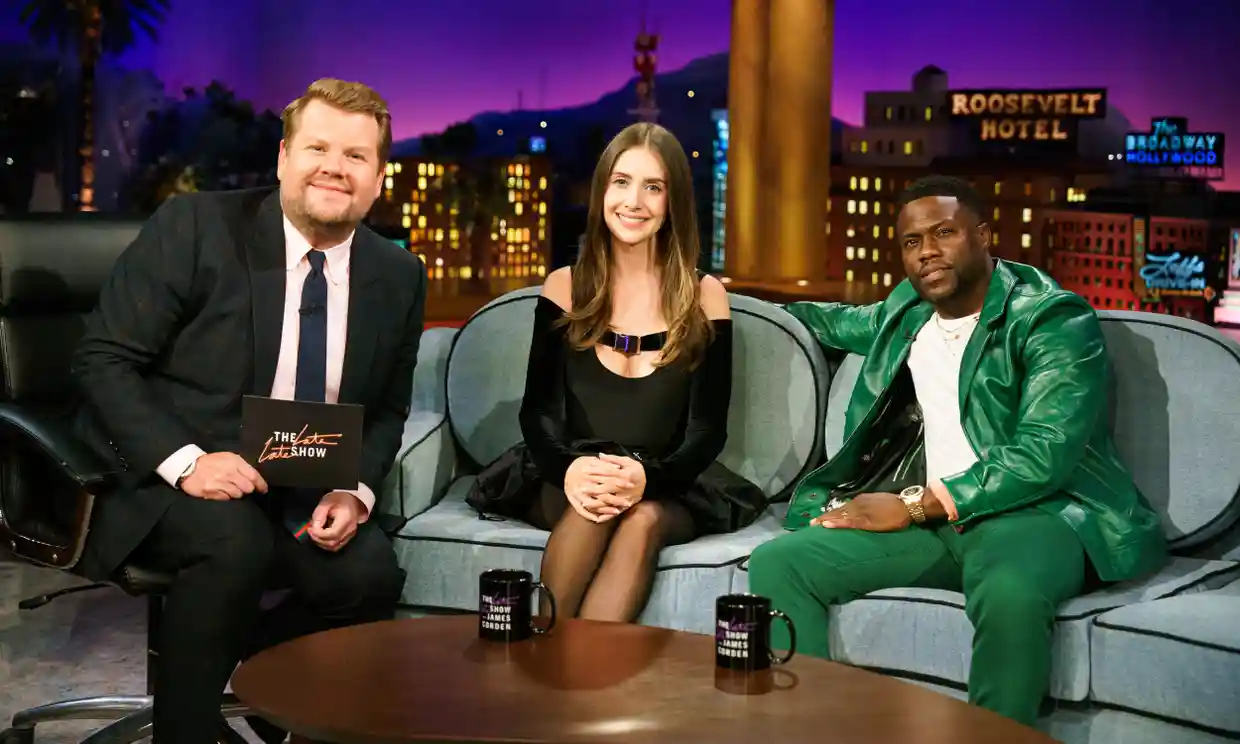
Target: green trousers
x: 1014, y: 569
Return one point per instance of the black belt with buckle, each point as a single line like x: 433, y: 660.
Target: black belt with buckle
x: 626, y: 344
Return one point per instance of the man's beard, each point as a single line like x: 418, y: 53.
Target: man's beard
x: 322, y: 217
x: 336, y: 223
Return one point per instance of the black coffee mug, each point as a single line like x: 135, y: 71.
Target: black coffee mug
x: 743, y: 633
x: 506, y: 605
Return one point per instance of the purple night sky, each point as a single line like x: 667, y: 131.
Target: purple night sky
x: 440, y: 62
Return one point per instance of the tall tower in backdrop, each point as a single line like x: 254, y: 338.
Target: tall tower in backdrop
x: 645, y: 62
x: 779, y: 150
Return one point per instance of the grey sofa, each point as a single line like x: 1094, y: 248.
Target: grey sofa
x: 468, y: 391
x: 1154, y: 661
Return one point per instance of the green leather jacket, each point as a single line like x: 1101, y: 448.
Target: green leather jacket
x: 1034, y: 386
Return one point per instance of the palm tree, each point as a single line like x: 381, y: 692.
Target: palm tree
x: 90, y: 29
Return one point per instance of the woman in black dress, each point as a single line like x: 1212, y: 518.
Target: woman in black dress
x: 628, y: 385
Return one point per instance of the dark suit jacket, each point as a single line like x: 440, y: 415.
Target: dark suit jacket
x: 190, y: 321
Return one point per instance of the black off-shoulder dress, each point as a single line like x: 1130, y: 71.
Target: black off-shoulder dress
x: 673, y: 420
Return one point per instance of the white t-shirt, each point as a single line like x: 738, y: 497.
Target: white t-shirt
x: 934, y: 362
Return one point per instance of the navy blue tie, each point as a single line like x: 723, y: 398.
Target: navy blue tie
x: 312, y: 341
x: 299, y: 503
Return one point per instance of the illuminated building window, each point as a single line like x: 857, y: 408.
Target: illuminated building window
x: 421, y: 183
x: 861, y: 252
x: 848, y: 275
x: 865, y: 207
x: 852, y: 207
x: 929, y: 116
x: 888, y: 113
x: 874, y: 255
x: 878, y: 184
x: 1026, y: 215
x: 998, y: 187
x: 1026, y: 240
x: 421, y: 169
x: 404, y: 208
x: 542, y: 209
x: 421, y: 220
x: 439, y: 239
x: 876, y: 211
x: 828, y: 228
x: 996, y: 214
x: 851, y: 232
x: 876, y: 230
x: 389, y: 169
x: 994, y: 238
x: 512, y: 196
x: 398, y: 167
x: 891, y: 232
x: 406, y: 221
x: 828, y: 205
x: 1052, y: 195
x: 874, y: 278
x: 865, y: 146
x: 852, y: 184
x: 1028, y: 188
x: 850, y: 253
x: 865, y: 184
x: 438, y: 207
x: 542, y: 182
x: 387, y: 182
x: 512, y: 181
x: 908, y: 147
x: 886, y: 280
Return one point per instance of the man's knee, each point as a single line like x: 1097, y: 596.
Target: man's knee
x: 1005, y: 598
x: 234, y: 537
x: 772, y: 562
x: 365, y: 578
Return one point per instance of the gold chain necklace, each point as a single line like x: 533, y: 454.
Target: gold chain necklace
x: 954, y: 334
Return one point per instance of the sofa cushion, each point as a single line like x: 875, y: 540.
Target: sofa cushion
x: 1177, y: 657
x: 445, y: 549
x: 778, y: 391
x: 925, y: 631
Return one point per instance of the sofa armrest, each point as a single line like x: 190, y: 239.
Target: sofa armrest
x: 54, y: 439
x: 426, y: 463
x: 425, y: 467
x: 430, y: 377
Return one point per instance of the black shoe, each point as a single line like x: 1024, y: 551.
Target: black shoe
x: 267, y: 731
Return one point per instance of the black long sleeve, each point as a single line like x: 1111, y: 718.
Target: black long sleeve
x: 706, y: 429
x: 140, y: 308
x: 542, y: 415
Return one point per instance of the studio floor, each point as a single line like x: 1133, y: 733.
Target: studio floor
x: 83, y: 644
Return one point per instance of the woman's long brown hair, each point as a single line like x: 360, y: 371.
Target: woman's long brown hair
x: 676, y: 249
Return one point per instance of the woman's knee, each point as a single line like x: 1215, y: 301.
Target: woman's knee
x: 654, y: 522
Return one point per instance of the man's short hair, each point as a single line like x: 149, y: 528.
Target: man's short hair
x: 944, y: 186
x: 355, y: 98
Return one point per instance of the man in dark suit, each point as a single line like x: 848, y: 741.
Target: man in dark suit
x: 272, y: 292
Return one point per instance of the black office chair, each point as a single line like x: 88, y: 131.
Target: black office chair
x: 51, y: 270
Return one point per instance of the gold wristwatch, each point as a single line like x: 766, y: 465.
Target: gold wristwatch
x: 911, y: 497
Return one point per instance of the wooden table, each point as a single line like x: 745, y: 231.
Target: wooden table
x: 432, y: 680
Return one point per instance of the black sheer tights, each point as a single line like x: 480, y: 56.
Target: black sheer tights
x: 603, y: 571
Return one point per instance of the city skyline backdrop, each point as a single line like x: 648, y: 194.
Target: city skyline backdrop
x: 446, y: 62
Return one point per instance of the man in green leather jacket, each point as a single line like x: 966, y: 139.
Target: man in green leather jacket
x: 991, y: 383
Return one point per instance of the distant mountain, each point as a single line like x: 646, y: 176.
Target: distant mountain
x: 568, y: 130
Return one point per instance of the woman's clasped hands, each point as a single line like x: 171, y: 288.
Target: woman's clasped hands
x: 603, y: 487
